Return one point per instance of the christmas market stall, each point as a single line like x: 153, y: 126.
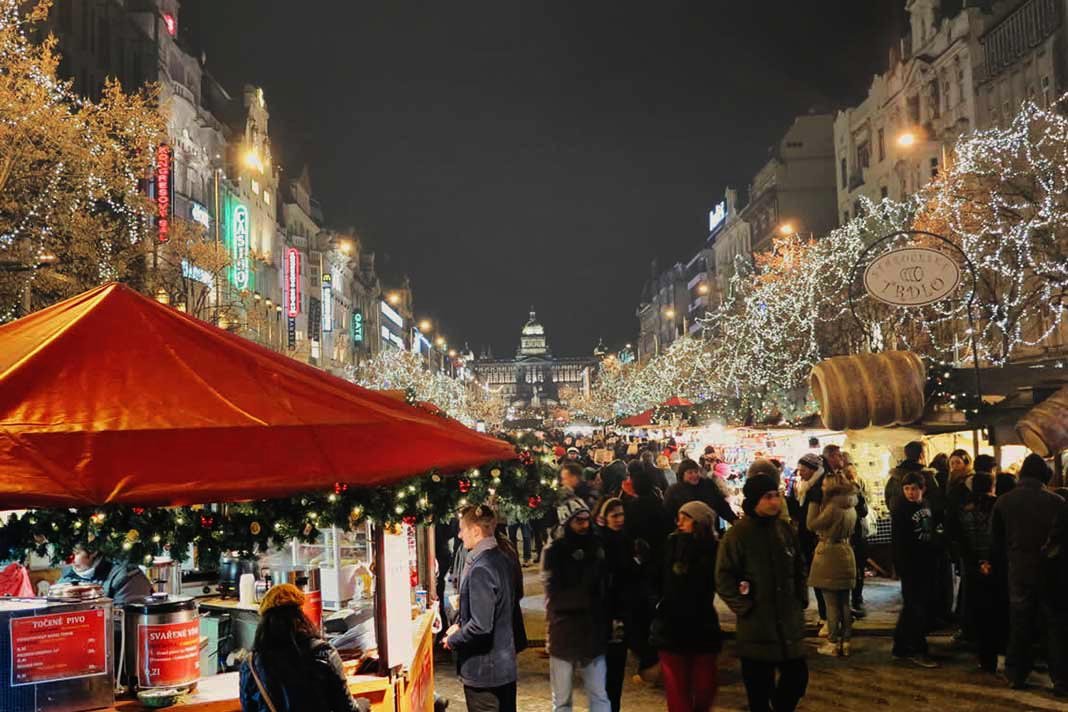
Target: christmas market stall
x: 154, y: 438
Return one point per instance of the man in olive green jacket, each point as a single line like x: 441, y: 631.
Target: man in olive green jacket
x: 760, y: 575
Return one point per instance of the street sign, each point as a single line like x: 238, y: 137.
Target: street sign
x: 912, y: 277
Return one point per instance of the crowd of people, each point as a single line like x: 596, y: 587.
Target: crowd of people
x: 636, y: 551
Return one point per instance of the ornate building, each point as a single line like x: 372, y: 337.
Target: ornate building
x: 534, y: 379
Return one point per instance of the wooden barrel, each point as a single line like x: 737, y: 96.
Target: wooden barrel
x: 1044, y: 429
x: 870, y: 389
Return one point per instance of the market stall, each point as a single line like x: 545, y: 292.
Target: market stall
x: 115, y: 410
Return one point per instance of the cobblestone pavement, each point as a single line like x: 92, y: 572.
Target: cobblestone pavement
x: 869, y: 680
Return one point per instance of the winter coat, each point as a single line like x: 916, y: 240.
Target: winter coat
x: 485, y: 643
x: 1004, y: 483
x: 932, y: 493
x: 686, y: 620
x: 972, y: 530
x: 647, y: 524
x: 120, y: 582
x: 912, y: 538
x: 833, y: 522
x: 573, y: 573
x: 1021, y: 523
x: 319, y: 685
x: 706, y: 491
x: 763, y: 553
x: 623, y: 576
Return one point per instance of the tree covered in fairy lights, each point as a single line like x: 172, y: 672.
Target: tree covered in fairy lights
x: 71, y: 212
x: 1003, y: 201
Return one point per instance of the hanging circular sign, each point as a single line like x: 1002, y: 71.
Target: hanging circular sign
x: 911, y: 277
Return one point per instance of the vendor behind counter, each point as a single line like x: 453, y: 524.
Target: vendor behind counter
x: 120, y: 581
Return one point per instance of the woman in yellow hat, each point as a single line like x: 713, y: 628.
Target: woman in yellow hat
x: 292, y: 669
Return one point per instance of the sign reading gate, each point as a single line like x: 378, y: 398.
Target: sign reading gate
x: 911, y: 277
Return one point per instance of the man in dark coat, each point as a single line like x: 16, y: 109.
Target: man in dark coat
x: 1021, y: 524
x: 760, y: 575
x: 121, y: 582
x: 483, y: 638
x: 573, y: 572
x: 694, y: 486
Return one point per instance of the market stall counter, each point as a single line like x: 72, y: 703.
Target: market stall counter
x: 412, y: 691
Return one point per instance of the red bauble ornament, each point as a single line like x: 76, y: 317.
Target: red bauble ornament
x: 206, y: 521
x: 410, y: 520
x: 138, y: 510
x: 340, y: 487
x: 526, y: 458
x: 534, y: 502
x: 465, y: 485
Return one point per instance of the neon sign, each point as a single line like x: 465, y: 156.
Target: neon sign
x: 717, y: 216
x: 357, y: 326
x: 292, y: 282
x: 170, y: 23
x: 163, y: 192
x: 241, y: 246
x: 328, y: 304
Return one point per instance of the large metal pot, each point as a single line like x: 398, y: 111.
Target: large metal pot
x: 162, y: 634
x: 166, y: 576
x: 306, y: 578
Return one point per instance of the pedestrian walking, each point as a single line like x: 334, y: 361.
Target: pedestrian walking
x: 694, y: 486
x: 573, y: 573
x: 1021, y: 524
x: 685, y: 628
x: 482, y: 638
x: 915, y: 560
x: 859, y: 540
x: 986, y: 604
x: 809, y: 493
x: 834, y: 570
x: 761, y: 576
x: 624, y: 593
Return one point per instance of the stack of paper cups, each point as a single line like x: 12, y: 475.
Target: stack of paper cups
x: 246, y: 589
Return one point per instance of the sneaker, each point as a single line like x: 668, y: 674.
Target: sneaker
x: 828, y: 648
x: 845, y: 650
x: 923, y: 661
x: 825, y: 630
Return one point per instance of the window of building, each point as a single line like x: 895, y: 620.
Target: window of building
x: 845, y: 217
x: 863, y: 155
x: 267, y: 196
x: 255, y: 187
x: 845, y: 178
x: 882, y: 145
x: 858, y: 209
x: 1045, y: 92
x: 884, y: 192
x: 934, y: 168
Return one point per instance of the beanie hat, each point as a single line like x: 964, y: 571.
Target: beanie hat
x: 569, y: 509
x: 761, y: 466
x: 811, y: 461
x: 284, y: 594
x: 700, y: 513
x: 686, y: 465
x: 756, y: 486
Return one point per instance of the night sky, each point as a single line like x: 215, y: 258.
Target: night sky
x: 505, y: 154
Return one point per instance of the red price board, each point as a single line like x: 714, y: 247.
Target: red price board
x: 170, y: 654
x: 60, y: 646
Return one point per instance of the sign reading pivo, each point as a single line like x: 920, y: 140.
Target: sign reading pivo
x: 911, y: 277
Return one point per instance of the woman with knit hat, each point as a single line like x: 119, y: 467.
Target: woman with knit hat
x: 760, y: 575
x: 686, y: 628
x: 834, y: 567
x: 292, y: 669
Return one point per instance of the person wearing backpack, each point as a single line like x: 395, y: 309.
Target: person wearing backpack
x: 292, y: 669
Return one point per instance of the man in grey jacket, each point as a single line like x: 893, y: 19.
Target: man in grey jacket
x: 483, y: 639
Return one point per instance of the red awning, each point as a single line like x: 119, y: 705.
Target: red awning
x: 676, y: 402
x: 640, y: 420
x: 111, y: 397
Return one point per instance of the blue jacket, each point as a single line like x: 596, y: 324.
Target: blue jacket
x: 485, y: 644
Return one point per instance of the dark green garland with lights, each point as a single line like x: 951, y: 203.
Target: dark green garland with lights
x: 524, y: 488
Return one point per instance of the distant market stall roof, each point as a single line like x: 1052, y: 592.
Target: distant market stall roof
x: 111, y: 397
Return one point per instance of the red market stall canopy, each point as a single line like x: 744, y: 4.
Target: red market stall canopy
x: 676, y: 402
x: 645, y: 418
x: 111, y: 397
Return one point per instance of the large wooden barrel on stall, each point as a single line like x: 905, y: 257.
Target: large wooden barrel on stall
x: 870, y: 389
x: 1044, y: 429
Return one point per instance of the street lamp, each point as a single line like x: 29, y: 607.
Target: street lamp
x: 425, y: 325
x: 439, y: 342
x: 786, y: 228
x: 345, y: 246
x: 252, y: 159
x: 907, y: 139
x: 393, y: 298
x: 702, y: 288
x: 670, y: 313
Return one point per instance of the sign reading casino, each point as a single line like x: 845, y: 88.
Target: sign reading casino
x: 911, y: 277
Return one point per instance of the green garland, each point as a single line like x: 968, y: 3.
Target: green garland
x: 521, y: 489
